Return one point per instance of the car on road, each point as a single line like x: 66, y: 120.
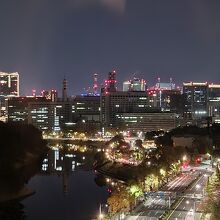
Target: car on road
x: 190, y: 212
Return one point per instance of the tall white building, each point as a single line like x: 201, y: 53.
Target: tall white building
x: 9, y: 87
x: 134, y: 85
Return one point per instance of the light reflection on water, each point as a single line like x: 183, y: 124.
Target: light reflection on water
x: 65, y: 188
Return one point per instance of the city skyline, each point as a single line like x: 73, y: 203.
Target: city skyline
x: 46, y: 41
x: 109, y: 109
x: 96, y: 85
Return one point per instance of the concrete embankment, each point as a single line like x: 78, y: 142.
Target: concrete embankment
x: 118, y: 171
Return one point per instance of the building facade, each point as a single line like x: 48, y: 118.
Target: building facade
x: 47, y: 116
x: 196, y: 100
x: 87, y: 108
x: 148, y: 121
x: 134, y: 85
x: 9, y: 87
x: 214, y: 102
x: 9, y: 84
x: 39, y: 111
x: 17, y: 108
x: 121, y: 102
x: 51, y: 95
x: 164, y: 99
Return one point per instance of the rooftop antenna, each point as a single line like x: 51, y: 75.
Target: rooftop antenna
x: 95, y: 83
x: 158, y: 80
x: 171, y: 83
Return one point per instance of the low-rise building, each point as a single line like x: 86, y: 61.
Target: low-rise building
x: 148, y: 121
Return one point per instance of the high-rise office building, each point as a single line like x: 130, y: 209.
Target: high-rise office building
x: 110, y: 83
x: 126, y: 86
x: 39, y: 111
x: 148, y: 121
x: 9, y: 84
x: 17, y: 107
x: 214, y: 102
x: 214, y: 92
x: 165, y: 85
x: 51, y: 95
x: 95, y: 84
x: 9, y: 87
x: 64, y: 91
x: 121, y: 102
x: 86, y: 107
x: 196, y: 99
x: 134, y: 85
x: 161, y: 95
x: 47, y: 115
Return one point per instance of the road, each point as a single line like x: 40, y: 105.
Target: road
x: 189, y: 198
x: 180, y: 183
x: 189, y: 206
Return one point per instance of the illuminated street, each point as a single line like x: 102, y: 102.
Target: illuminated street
x: 188, y: 203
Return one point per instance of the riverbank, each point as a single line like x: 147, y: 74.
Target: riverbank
x: 75, y: 141
x: 10, y: 196
x: 118, y: 171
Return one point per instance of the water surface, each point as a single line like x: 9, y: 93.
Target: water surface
x: 64, y: 189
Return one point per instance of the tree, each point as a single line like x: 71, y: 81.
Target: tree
x: 22, y: 150
x: 119, y: 201
x: 215, y: 210
x: 135, y: 191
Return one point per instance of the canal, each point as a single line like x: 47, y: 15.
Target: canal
x: 66, y: 188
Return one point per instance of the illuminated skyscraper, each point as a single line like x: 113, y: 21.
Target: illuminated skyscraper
x: 126, y: 86
x: 9, y: 84
x: 64, y: 93
x: 95, y: 83
x: 39, y: 111
x: 161, y: 95
x: 9, y: 87
x: 214, y: 102
x: 110, y: 84
x: 51, y: 95
x: 134, y: 85
x: 17, y: 107
x: 114, y: 103
x: 196, y: 99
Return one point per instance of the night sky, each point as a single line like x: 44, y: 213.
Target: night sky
x: 45, y: 40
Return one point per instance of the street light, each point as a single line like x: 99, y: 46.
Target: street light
x: 100, y: 212
x: 101, y: 216
x: 184, y: 158
x: 198, y: 186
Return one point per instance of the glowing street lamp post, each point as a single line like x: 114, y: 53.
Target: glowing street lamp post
x: 101, y: 215
x: 100, y: 212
